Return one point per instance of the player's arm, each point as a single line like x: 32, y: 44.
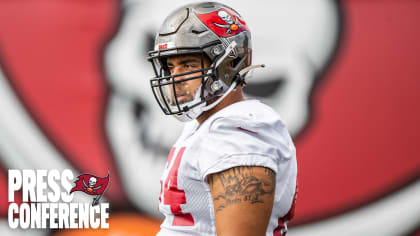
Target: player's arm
x: 243, y: 198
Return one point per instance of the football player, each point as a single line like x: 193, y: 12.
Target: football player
x: 233, y: 169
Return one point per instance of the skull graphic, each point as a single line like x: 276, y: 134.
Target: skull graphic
x: 92, y: 182
x: 225, y: 17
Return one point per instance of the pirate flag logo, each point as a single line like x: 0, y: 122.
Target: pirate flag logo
x: 92, y: 185
x: 224, y: 22
x: 230, y: 24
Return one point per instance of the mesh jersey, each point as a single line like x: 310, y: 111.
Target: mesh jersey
x: 246, y: 133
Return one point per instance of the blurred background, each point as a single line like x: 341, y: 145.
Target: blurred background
x: 344, y: 75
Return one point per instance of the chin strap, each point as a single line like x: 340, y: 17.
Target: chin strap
x: 249, y: 68
x: 209, y: 107
x: 232, y: 86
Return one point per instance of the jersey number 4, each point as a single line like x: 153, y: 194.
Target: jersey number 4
x: 172, y: 195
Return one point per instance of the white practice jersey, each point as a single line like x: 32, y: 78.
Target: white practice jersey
x: 246, y: 133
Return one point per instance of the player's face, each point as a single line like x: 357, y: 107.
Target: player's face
x: 185, y: 91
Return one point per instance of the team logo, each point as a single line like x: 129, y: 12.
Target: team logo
x: 230, y: 24
x: 223, y: 22
x: 92, y: 185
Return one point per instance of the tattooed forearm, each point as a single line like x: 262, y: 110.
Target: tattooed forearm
x: 241, y: 184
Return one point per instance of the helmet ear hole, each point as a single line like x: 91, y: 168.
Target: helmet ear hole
x: 235, y: 62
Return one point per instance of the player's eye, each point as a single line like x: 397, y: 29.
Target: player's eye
x: 190, y: 66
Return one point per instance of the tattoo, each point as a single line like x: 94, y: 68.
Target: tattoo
x: 240, y: 184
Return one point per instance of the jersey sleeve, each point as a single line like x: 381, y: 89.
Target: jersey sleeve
x: 232, y: 142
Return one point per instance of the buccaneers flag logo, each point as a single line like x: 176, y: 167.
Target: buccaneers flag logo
x: 224, y: 22
x: 92, y: 185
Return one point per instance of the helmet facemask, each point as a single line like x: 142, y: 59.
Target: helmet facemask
x: 164, y: 85
x: 172, y: 93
